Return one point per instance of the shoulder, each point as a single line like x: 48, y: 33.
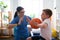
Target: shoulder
x: 47, y: 21
x: 16, y: 17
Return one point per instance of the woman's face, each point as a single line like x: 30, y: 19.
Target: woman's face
x: 21, y: 13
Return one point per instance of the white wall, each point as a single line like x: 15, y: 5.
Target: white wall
x: 48, y: 4
x: 58, y: 15
x: 14, y: 4
x: 58, y: 6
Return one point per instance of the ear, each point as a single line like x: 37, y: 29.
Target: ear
x: 48, y: 16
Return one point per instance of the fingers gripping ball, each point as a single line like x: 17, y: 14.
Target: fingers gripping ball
x: 35, y: 20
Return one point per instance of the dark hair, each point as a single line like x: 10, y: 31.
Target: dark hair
x: 18, y: 10
x: 48, y: 12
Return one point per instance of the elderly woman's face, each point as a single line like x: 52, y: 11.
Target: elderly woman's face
x: 21, y: 13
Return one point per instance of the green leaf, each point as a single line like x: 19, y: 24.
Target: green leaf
x: 2, y: 5
x: 5, y: 6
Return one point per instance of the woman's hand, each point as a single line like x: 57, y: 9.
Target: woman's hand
x: 28, y: 20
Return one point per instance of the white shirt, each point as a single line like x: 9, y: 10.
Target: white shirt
x: 46, y: 32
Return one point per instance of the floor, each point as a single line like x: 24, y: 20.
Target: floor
x: 10, y: 38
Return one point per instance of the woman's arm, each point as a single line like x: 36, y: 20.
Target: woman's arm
x: 11, y: 26
x: 16, y: 24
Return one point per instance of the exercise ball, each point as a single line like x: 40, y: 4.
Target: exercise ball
x: 33, y: 21
x: 54, y: 33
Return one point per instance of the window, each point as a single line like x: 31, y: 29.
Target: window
x: 32, y: 7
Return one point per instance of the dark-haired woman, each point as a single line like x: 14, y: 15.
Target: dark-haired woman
x: 20, y: 22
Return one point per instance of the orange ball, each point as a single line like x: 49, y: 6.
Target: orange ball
x: 35, y: 20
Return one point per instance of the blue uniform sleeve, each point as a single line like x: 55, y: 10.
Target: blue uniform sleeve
x: 14, y: 21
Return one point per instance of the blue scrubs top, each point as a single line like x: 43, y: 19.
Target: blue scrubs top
x: 21, y: 31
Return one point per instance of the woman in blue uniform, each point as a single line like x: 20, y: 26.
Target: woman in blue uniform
x: 20, y: 22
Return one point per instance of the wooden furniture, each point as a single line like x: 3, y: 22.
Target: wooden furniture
x: 2, y: 35
x: 4, y: 28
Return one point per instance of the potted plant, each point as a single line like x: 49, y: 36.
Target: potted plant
x: 2, y: 6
